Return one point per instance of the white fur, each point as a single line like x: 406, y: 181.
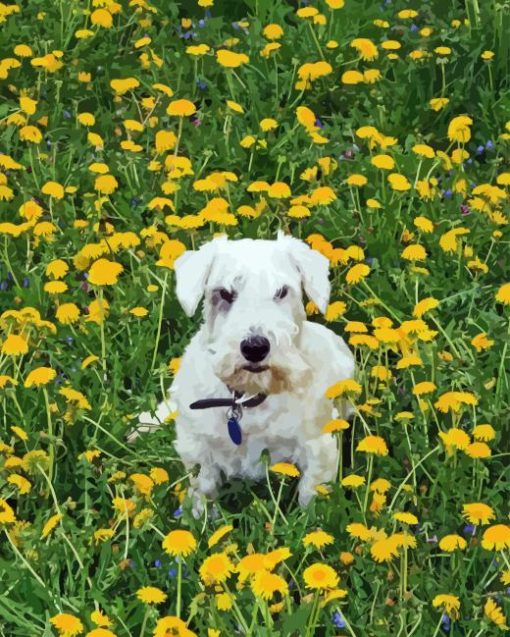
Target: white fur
x: 304, y: 360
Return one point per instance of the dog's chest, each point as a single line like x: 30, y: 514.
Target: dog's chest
x: 284, y: 418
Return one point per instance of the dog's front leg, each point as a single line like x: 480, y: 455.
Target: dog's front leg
x: 203, y: 487
x: 318, y: 465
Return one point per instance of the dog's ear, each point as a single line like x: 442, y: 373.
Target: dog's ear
x: 313, y: 267
x: 191, y: 271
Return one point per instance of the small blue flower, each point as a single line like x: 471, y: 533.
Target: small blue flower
x: 414, y: 28
x: 157, y: 563
x: 338, y: 620
x: 172, y: 572
x: 26, y: 282
x: 480, y: 149
x: 202, y: 85
x: 445, y: 622
x: 489, y: 145
x: 67, y: 115
x: 178, y: 512
x: 448, y: 194
x: 201, y: 23
x: 469, y: 529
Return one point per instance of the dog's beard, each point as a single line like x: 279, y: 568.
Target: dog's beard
x: 289, y: 373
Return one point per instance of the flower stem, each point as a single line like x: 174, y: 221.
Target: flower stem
x: 50, y: 435
x: 160, y: 320
x: 101, y: 328
x: 277, y: 507
x: 369, y: 478
x: 179, y: 585
x: 314, y: 37
x: 314, y: 615
x: 144, y: 623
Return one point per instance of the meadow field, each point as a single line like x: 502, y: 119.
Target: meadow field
x: 378, y: 131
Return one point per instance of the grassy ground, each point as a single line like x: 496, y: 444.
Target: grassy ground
x: 378, y: 132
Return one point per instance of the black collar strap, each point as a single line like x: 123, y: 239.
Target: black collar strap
x: 235, y: 401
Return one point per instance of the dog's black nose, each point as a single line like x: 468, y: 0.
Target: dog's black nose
x: 255, y: 348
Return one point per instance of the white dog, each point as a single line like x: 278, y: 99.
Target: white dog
x: 253, y: 377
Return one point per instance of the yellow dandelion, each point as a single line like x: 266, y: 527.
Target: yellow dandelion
x: 318, y: 539
x: 357, y: 273
x: 478, y: 513
x: 449, y: 603
x: 335, y: 425
x: 373, y: 444
x: 151, y: 595
x: 219, y: 534
x: 67, y: 625
x: 216, y: 568
x: 353, y: 481
x: 503, y: 294
x: 286, y: 469
x: 104, y: 272
x: 181, y: 108
x: 455, y: 438
x: 50, y: 525
x: 179, y: 543
x: 496, y: 538
x: 40, y: 376
x: 265, y: 584
x: 7, y: 515
x: 494, y: 614
x: 478, y: 450
x: 366, y: 49
x: 450, y: 543
x: 320, y: 577
x: 484, y: 432
x: 343, y: 387
x: 230, y: 59
x: 171, y: 625
x: 14, y: 345
x: 385, y: 549
x: 405, y: 518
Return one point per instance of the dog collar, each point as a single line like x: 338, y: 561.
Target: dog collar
x: 235, y: 411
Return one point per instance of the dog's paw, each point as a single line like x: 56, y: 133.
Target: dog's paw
x: 198, y: 503
x: 146, y: 424
x: 305, y: 494
x: 201, y: 505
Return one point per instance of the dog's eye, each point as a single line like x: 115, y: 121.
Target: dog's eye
x: 226, y: 295
x: 281, y: 293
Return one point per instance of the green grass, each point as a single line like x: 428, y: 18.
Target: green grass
x: 68, y: 567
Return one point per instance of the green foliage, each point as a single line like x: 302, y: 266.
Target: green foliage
x: 82, y: 511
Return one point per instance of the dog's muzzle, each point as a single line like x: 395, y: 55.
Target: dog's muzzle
x: 255, y: 348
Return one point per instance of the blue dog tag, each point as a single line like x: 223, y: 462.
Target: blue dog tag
x: 234, y: 431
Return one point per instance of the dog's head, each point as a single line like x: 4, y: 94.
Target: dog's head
x: 253, y: 307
